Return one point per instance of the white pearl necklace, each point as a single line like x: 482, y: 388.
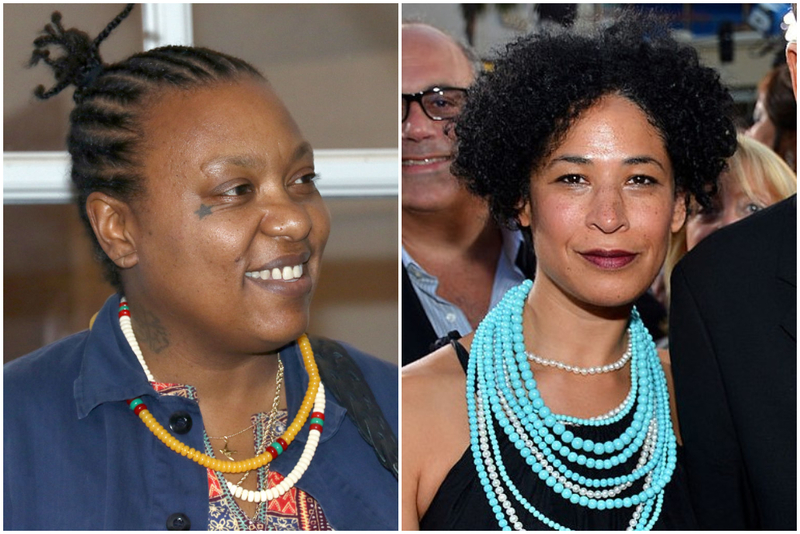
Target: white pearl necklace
x: 619, y: 364
x: 239, y: 492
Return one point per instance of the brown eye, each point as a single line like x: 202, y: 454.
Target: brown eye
x: 238, y: 190
x: 642, y: 179
x: 571, y: 179
x: 307, y: 179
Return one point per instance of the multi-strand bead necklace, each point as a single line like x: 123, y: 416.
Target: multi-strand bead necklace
x: 501, y: 391
x: 315, y: 396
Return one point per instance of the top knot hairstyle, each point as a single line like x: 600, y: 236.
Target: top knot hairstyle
x: 518, y: 113
x: 105, y: 129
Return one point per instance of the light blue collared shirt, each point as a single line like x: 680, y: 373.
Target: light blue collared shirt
x: 446, y: 316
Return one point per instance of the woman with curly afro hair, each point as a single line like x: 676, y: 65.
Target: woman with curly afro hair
x: 558, y: 411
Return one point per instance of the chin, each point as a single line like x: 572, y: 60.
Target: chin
x: 270, y: 335
x: 609, y: 299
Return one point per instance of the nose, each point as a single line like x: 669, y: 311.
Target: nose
x: 418, y: 125
x: 607, y: 212
x: 286, y: 217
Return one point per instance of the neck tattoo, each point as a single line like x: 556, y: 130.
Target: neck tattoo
x: 314, y: 397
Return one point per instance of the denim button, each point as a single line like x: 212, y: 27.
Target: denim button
x: 180, y: 422
x: 178, y: 522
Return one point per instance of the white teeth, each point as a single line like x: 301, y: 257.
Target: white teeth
x: 424, y: 161
x: 289, y: 272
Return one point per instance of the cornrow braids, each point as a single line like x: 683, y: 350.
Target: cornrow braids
x: 105, y: 132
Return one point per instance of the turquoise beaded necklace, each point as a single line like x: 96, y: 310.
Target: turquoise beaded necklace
x: 501, y: 392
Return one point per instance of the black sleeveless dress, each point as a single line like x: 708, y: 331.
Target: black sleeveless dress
x: 460, y: 502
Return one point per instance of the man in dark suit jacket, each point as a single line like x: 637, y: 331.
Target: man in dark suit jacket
x: 733, y: 339
x: 734, y: 362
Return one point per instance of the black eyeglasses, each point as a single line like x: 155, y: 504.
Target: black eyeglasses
x: 438, y: 103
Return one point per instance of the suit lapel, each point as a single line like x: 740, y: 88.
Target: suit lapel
x: 787, y: 266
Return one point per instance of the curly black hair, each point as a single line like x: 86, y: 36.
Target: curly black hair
x: 520, y: 111
x: 105, y: 130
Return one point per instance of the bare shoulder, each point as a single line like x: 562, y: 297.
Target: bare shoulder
x: 432, y: 387
x: 442, y: 361
x: 434, y: 402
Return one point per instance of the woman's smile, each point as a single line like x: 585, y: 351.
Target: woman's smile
x: 285, y: 276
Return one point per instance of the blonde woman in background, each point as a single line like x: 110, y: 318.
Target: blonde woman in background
x: 755, y: 178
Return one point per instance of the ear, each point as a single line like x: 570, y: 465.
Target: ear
x: 112, y: 222
x: 791, y: 61
x: 678, y: 212
x: 525, y: 216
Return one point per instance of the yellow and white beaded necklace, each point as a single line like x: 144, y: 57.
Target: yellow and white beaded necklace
x: 315, y: 395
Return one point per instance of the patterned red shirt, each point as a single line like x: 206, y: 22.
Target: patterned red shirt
x: 294, y: 510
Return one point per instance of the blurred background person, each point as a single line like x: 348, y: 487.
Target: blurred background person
x: 775, y: 115
x: 457, y: 262
x: 755, y: 178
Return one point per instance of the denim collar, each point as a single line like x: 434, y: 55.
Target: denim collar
x: 110, y: 372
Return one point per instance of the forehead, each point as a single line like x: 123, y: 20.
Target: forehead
x: 611, y: 125
x: 431, y: 58
x: 189, y: 127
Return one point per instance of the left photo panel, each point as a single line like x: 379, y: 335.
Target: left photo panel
x: 200, y: 227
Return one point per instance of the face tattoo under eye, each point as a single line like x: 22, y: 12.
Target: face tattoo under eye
x: 197, y: 372
x: 203, y: 211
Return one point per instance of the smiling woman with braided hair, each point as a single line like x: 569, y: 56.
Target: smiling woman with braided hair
x: 195, y: 400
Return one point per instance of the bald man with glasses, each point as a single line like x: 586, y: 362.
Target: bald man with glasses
x: 457, y: 262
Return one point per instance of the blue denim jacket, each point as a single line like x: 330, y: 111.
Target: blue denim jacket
x: 76, y: 457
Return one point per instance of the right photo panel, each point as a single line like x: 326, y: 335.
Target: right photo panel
x: 598, y: 283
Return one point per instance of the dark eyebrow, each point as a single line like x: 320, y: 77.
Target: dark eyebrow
x: 302, y: 151
x: 249, y: 161
x: 240, y: 160
x: 577, y: 160
x: 580, y: 160
x: 640, y: 160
